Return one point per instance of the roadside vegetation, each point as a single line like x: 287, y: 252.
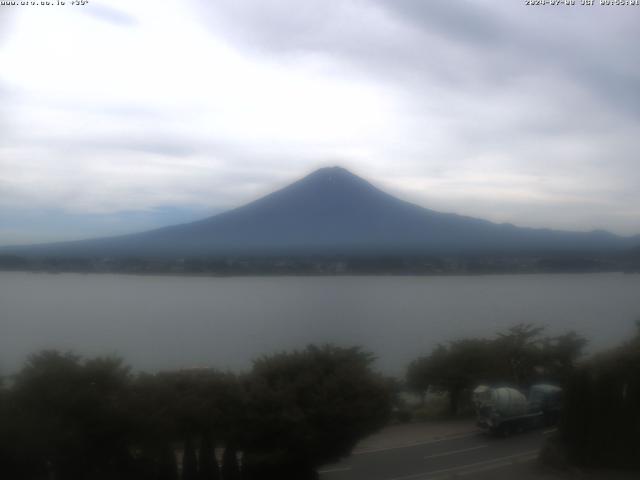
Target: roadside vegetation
x: 519, y: 357
x: 600, y: 419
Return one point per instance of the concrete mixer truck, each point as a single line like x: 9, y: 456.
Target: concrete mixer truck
x: 505, y: 410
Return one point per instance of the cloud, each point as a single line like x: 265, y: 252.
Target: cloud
x: 480, y: 44
x: 110, y: 15
x: 590, y: 48
x: 461, y: 21
x: 499, y: 111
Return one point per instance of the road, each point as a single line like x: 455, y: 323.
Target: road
x: 470, y: 455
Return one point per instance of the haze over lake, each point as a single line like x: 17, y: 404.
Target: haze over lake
x: 174, y: 322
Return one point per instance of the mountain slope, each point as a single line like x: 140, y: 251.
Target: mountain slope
x: 333, y: 211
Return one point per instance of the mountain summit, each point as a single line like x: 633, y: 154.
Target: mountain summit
x: 333, y: 211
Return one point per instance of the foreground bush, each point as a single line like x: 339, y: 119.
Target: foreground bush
x: 310, y: 407
x: 67, y: 418
x: 601, y: 420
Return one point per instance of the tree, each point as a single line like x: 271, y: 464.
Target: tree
x: 453, y: 369
x: 189, y: 461
x: 230, y: 469
x: 310, y: 407
x: 72, y: 415
x: 208, y: 468
x: 601, y: 421
x: 184, y: 407
x: 152, y: 407
x: 520, y: 349
x: 560, y: 355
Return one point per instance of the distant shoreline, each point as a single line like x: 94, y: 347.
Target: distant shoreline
x: 336, y: 265
x: 320, y: 275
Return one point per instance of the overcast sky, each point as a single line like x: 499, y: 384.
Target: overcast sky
x: 123, y: 115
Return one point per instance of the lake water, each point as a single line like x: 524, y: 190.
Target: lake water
x: 173, y: 322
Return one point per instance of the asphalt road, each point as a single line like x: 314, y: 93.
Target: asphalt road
x: 470, y: 455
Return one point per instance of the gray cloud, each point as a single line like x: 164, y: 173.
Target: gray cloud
x: 110, y: 15
x: 590, y: 50
x: 480, y: 44
x: 460, y: 21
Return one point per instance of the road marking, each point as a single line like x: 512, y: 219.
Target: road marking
x: 335, y: 470
x: 492, y: 466
x: 484, y: 465
x: 453, y: 452
x: 547, y: 432
x: 416, y: 444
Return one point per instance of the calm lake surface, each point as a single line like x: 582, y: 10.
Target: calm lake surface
x: 173, y: 322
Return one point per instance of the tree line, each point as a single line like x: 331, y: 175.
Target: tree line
x: 363, y: 264
x: 63, y: 417
x: 519, y: 357
x: 67, y: 418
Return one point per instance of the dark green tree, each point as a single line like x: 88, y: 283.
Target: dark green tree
x: 189, y: 461
x: 600, y: 426
x: 178, y: 408
x: 560, y: 355
x: 72, y: 416
x: 454, y: 369
x: 152, y: 406
x: 230, y: 468
x: 164, y: 463
x: 207, y: 463
x: 520, y: 349
x: 310, y: 407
